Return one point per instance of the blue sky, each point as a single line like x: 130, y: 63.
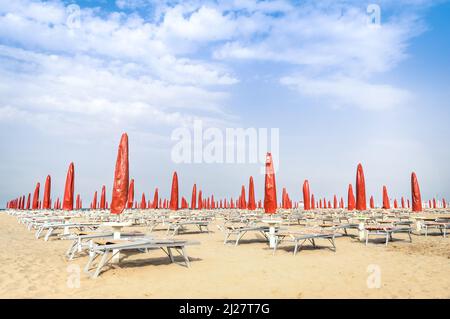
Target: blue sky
x: 340, y: 91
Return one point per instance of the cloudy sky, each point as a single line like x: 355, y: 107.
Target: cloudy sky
x: 341, y: 86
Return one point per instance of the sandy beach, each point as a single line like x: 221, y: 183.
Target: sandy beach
x: 32, y: 268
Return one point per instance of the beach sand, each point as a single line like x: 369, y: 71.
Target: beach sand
x: 32, y: 268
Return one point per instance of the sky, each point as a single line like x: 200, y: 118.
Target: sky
x: 342, y: 87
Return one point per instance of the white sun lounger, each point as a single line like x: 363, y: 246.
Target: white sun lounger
x: 299, y: 238
x: 386, y: 231
x: 109, y: 250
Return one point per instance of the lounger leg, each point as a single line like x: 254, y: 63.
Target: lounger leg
x: 226, y: 238
x: 71, y: 249
x: 387, y: 239
x: 296, y: 248
x: 92, y: 257
x: 367, y: 238
x: 333, y: 243
x: 100, y: 265
x: 49, y: 232
x: 239, y: 237
x: 186, y: 258
x: 169, y: 252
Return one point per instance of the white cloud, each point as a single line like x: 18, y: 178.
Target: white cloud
x: 344, y: 92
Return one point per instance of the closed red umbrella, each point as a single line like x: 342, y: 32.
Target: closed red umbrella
x: 94, y: 201
x: 444, y: 203
x: 130, y: 194
x: 36, y: 196
x: 372, y: 202
x: 155, y: 199
x: 47, y: 191
x: 320, y: 203
x: 243, y: 204
x: 313, y: 202
x: 251, y: 195
x: 121, y: 178
x: 194, y: 197
x: 28, y: 202
x: 403, y: 202
x: 174, y: 192
x: 78, y: 202
x: 143, y: 202
x: 341, y: 205
x: 335, y: 202
x: 386, y: 202
x: 200, y: 200
x: 306, y: 196
x: 416, y: 199
x: 360, y: 189
x: 434, y: 203
x: 69, y: 188
x: 350, y: 198
x: 270, y: 190
x: 395, y: 203
x: 103, y: 198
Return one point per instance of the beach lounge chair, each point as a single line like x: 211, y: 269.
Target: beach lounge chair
x: 82, y: 241
x: 241, y: 230
x: 52, y: 227
x: 386, y: 231
x: 300, y: 237
x: 108, y: 249
x: 442, y: 224
x: 175, y: 227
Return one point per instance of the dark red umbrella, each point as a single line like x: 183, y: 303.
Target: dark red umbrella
x: 251, y: 195
x: 78, y: 202
x: 341, y: 204
x: 360, y: 189
x: 350, y: 198
x: 174, y: 193
x: 131, y: 194
x: 243, y: 204
x: 444, y: 203
x: 94, y: 201
x: 306, y: 196
x: 270, y: 190
x: 416, y: 199
x: 395, y: 203
x: 313, y: 202
x: 143, y: 202
x: 103, y: 198
x: 403, y: 202
x: 69, y: 188
x: 386, y: 202
x: 47, y: 191
x: 36, y: 196
x: 434, y: 203
x: 121, y: 178
x: 200, y: 200
x: 28, y: 201
x: 155, y: 199
x: 194, y: 197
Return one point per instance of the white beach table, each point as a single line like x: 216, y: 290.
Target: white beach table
x: 66, y: 221
x: 272, y: 228
x: 117, y: 229
x: 361, y: 227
